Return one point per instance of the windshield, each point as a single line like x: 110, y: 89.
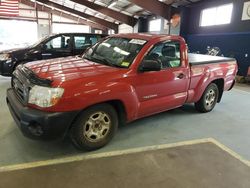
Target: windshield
x: 118, y: 52
x: 39, y: 41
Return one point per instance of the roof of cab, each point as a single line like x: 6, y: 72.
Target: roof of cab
x: 79, y: 34
x: 144, y: 36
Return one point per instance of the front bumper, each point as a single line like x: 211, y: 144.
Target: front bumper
x: 37, y: 124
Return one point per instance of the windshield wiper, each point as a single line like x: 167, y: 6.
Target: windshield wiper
x: 106, y: 62
x: 102, y: 61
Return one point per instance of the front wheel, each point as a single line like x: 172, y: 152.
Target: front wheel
x: 95, y: 127
x: 208, y: 99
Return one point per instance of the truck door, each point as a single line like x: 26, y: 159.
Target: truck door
x: 59, y: 46
x: 166, y: 89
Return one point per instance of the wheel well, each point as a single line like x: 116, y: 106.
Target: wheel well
x: 118, y: 106
x: 220, y: 85
x: 120, y: 109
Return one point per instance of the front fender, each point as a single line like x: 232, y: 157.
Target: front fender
x: 84, y: 97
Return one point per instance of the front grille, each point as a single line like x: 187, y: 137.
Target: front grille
x: 23, y: 80
x: 21, y: 86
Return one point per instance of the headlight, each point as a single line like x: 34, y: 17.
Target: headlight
x: 4, y: 57
x: 45, y: 96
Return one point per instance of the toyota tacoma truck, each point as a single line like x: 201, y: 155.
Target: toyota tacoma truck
x: 118, y: 80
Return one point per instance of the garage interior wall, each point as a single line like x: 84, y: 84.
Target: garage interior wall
x: 164, y: 27
x: 124, y: 28
x: 232, y: 39
x: 9, y: 36
x: 69, y: 28
x: 45, y: 23
x: 41, y: 18
x: 62, y: 25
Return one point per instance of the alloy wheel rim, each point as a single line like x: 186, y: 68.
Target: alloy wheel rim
x: 97, y: 126
x: 210, y: 98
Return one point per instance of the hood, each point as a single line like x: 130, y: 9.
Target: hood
x: 71, y: 68
x: 17, y: 53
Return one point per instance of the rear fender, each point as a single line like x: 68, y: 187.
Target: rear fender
x: 203, y: 84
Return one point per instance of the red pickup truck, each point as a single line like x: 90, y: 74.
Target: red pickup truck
x: 123, y: 78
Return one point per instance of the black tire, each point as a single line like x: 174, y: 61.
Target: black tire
x: 85, y: 125
x: 203, y: 105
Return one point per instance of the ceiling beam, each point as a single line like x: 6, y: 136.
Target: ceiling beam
x: 129, y: 20
x: 139, y: 13
x: 155, y: 7
x: 127, y: 6
x: 82, y: 14
x: 62, y: 14
x: 169, y: 2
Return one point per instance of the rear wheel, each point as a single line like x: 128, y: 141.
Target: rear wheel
x: 208, y: 99
x: 95, y: 127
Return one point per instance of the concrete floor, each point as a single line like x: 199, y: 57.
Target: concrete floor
x: 243, y: 87
x: 228, y: 123
x: 165, y: 167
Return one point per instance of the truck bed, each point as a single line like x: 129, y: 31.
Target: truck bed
x: 199, y: 59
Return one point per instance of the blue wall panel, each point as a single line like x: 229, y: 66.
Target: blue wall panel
x: 231, y: 45
x: 233, y: 39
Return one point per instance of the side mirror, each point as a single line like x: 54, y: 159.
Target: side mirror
x: 149, y: 65
x: 43, y: 47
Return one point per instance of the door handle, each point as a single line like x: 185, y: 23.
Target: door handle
x: 181, y: 76
x: 46, y: 54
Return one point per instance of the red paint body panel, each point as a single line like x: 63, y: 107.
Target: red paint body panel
x: 87, y: 83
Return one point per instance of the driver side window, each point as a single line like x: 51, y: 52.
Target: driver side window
x: 166, y: 53
x: 61, y: 42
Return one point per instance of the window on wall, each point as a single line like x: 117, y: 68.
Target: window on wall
x: 69, y: 28
x: 111, y: 32
x: 217, y: 15
x: 11, y: 37
x: 155, y: 25
x: 97, y: 31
